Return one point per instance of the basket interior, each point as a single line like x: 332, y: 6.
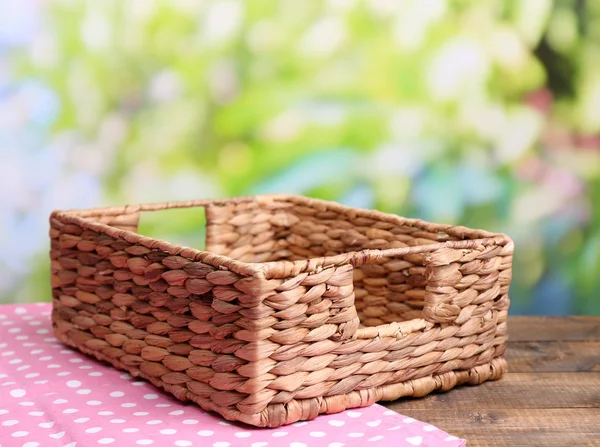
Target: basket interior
x: 387, y: 290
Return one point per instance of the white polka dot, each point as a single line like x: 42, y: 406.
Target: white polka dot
x: 125, y: 376
x: 66, y: 351
x: 58, y: 435
x: 27, y: 404
x: 94, y: 402
x: 176, y: 412
x: 450, y: 438
x: 299, y: 424
x: 154, y: 422
x: 131, y: 430
x: 85, y: 367
x: 15, y: 361
x: 317, y: 434
x: 336, y: 444
x: 42, y: 331
x: 374, y: 423
x: 243, y: 434
x: 106, y: 440
x: 354, y: 414
x: 36, y: 413
x: 45, y: 358
x: 168, y: 431
x: 53, y: 365
x: 150, y: 396
x: 81, y: 420
x: 429, y: 428
x: 118, y: 421
x: 35, y: 323
x: 117, y: 394
x: 189, y: 421
x: 389, y: 413
x: 19, y: 434
x: 408, y: 420
x: 36, y: 351
x: 71, y: 444
x: 20, y: 310
x: 17, y: 393
x: 415, y: 440
x: 10, y: 423
x: 73, y: 383
x: 259, y: 444
x: 206, y: 433
x: 31, y: 444
x: 3, y: 412
x: 298, y: 444
x: 105, y: 413
x: 221, y: 444
x: 7, y: 353
x: 7, y: 323
x: 14, y: 330
x: 141, y: 413
x: 60, y: 401
x: 40, y: 382
x: 376, y: 438
x: 64, y: 373
x: 279, y: 434
x: 162, y: 405
x: 95, y: 374
x: 356, y: 435
x: 93, y: 430
x: 183, y: 443
x: 128, y: 405
x: 76, y: 360
x: 138, y: 383
x: 144, y: 442
x: 49, y: 424
x: 336, y: 423
x: 31, y: 375
x: 23, y: 368
x: 84, y: 391
x: 3, y: 376
x: 70, y: 411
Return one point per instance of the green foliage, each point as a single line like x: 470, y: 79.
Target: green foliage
x: 476, y: 113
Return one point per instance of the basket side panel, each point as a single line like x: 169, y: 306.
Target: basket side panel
x: 468, y: 290
x: 254, y: 231
x: 166, y: 318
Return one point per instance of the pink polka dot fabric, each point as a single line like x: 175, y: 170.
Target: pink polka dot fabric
x: 51, y: 395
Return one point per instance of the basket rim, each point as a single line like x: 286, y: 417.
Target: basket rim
x: 473, y: 238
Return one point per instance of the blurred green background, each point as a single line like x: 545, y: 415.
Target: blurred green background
x: 479, y: 113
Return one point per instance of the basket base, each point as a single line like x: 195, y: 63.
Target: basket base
x: 276, y: 415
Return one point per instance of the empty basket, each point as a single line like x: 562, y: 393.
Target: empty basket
x: 297, y: 307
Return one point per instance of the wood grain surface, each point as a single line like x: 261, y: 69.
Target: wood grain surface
x: 550, y: 397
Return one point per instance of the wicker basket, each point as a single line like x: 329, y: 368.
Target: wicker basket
x: 298, y: 306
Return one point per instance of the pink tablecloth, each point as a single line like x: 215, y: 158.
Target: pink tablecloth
x: 51, y: 395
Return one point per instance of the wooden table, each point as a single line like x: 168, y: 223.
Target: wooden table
x: 550, y: 397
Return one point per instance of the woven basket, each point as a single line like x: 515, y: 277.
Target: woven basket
x: 298, y: 306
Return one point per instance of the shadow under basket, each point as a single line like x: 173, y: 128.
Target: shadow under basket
x: 297, y: 307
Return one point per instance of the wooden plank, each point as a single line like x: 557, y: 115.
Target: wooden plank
x: 514, y: 427
x: 553, y: 328
x: 515, y: 390
x: 553, y: 356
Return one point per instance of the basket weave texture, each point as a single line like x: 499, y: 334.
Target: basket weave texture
x: 297, y: 307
